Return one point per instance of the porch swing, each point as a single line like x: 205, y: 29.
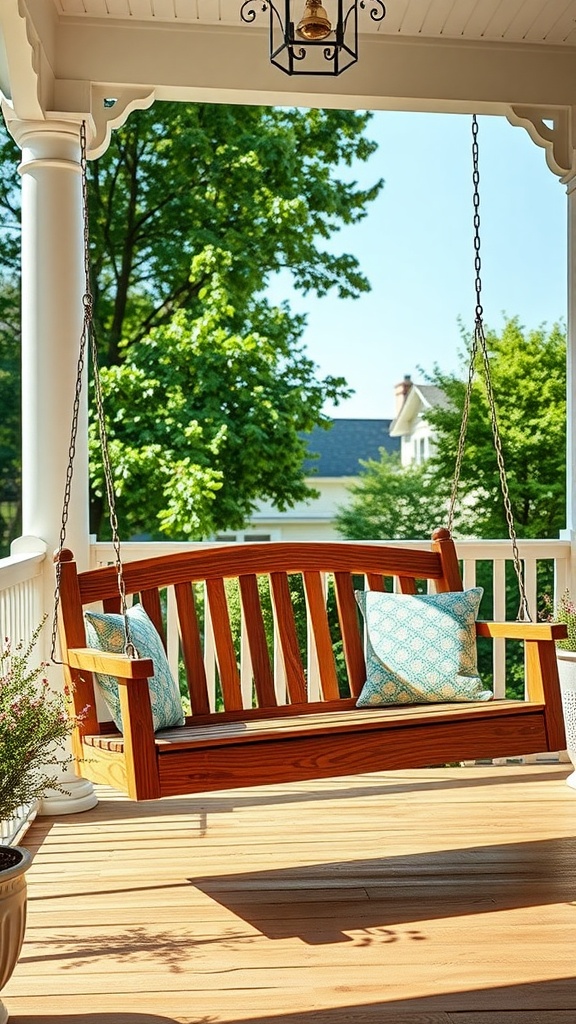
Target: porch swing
x: 283, y: 720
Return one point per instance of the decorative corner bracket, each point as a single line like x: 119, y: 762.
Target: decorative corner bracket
x: 554, y: 129
x: 22, y: 81
x: 110, y: 109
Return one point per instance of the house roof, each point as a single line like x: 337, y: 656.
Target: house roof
x: 348, y: 441
x: 419, y: 398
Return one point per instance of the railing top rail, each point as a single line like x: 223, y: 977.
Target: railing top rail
x: 486, y: 549
x: 17, y: 569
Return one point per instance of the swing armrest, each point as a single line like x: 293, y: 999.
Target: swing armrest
x: 136, y: 711
x: 523, y: 630
x: 88, y: 659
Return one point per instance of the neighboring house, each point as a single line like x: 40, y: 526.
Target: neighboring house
x: 339, y: 451
x: 416, y: 435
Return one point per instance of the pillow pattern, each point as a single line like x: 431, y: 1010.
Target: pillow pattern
x: 420, y: 648
x: 107, y: 632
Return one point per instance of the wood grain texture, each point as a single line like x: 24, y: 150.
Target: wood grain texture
x: 307, y: 740
x: 225, y: 654
x: 286, y: 629
x: 91, y: 660
x: 260, y: 659
x: 450, y: 578
x: 139, y: 745
x: 192, y: 653
x: 153, y: 608
x: 237, y: 559
x: 321, y: 718
x: 432, y: 896
x: 318, y: 619
x: 350, y: 627
x: 282, y: 759
x: 522, y: 630
x: 72, y: 634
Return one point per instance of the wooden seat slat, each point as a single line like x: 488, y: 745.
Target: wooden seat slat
x: 314, y: 587
x: 351, y: 633
x: 285, y: 759
x: 320, y: 722
x: 225, y: 654
x: 151, y: 603
x: 256, y: 632
x: 304, y: 738
x: 192, y: 649
x: 286, y: 628
x: 375, y: 582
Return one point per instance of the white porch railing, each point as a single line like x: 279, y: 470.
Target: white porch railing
x: 21, y: 590
x: 12, y: 831
x: 21, y: 609
x: 21, y: 595
x: 555, y: 554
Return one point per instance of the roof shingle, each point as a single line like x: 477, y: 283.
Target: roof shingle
x: 341, y: 448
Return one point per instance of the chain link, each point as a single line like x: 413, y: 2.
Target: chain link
x: 88, y: 340
x: 479, y: 344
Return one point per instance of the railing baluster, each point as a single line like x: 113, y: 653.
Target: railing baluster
x: 22, y: 590
x: 499, y: 612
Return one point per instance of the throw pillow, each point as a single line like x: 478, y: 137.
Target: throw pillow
x: 107, y: 632
x: 420, y: 648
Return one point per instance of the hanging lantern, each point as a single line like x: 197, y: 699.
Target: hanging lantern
x: 308, y: 41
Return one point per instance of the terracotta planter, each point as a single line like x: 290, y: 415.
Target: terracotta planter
x: 14, y: 862
x: 567, y: 674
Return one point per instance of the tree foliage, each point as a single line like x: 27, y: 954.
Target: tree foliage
x: 392, y: 503
x: 528, y: 372
x: 260, y: 184
x: 10, y: 404
x: 207, y: 419
x: 193, y: 208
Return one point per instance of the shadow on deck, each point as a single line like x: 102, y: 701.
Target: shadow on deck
x: 445, y: 896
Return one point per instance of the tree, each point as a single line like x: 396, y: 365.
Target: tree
x: 189, y: 198
x: 10, y: 440
x: 392, y: 503
x: 213, y: 419
x: 259, y: 183
x: 528, y: 372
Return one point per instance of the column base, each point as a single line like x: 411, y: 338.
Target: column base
x: 77, y: 795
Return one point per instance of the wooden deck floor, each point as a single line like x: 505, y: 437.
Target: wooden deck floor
x: 443, y: 896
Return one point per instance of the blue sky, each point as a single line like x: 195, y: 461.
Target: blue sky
x: 415, y: 247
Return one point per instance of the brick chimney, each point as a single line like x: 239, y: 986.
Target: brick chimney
x: 401, y: 390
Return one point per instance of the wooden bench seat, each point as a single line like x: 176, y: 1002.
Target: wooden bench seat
x: 286, y: 737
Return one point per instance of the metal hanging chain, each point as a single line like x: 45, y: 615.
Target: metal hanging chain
x: 88, y: 339
x: 479, y: 343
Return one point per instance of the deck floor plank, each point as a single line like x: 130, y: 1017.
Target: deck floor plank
x: 439, y: 896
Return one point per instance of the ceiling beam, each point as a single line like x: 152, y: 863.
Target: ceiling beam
x: 226, y: 64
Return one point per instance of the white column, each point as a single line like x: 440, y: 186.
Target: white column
x: 52, y: 290
x: 52, y: 314
x: 571, y: 368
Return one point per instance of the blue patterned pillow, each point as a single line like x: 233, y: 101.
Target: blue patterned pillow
x: 107, y: 633
x: 420, y: 649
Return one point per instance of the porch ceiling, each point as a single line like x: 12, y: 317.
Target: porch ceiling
x: 512, y: 21
x: 64, y: 56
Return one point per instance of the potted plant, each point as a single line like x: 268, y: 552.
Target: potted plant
x: 33, y: 724
x: 566, y: 656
